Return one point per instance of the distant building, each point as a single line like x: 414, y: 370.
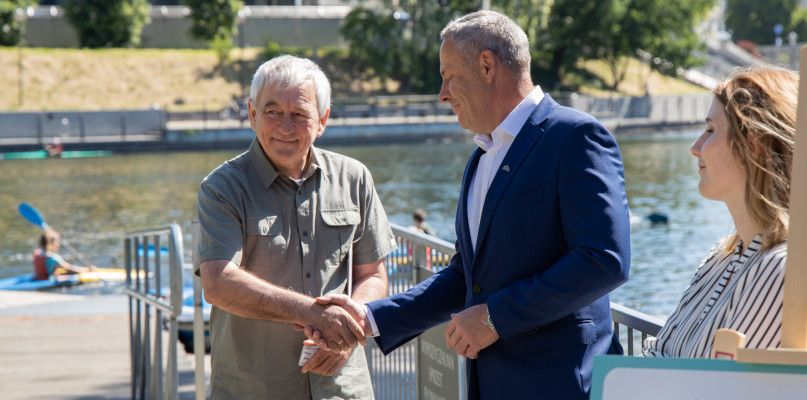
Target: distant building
x: 313, y: 23
x: 246, y: 2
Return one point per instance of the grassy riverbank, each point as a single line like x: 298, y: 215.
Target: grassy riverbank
x: 71, y: 79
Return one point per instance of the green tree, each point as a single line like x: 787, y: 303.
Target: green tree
x: 108, y: 23
x: 215, y: 22
x: 661, y: 31
x: 573, y: 31
x: 401, y: 43
x: 754, y: 19
x: 798, y: 24
x: 11, y: 27
x: 531, y: 15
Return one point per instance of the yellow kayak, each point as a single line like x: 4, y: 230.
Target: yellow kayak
x: 105, y: 274
x: 27, y: 282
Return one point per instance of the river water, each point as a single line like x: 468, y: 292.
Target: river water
x: 93, y: 202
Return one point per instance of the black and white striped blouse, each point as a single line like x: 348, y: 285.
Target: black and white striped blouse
x: 737, y: 291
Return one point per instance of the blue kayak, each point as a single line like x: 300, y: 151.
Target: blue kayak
x: 27, y: 282
x: 42, y: 154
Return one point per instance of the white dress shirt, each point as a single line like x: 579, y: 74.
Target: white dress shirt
x: 495, y: 146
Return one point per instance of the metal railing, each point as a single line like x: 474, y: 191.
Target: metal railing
x: 152, y: 303
x: 82, y: 126
x: 417, y: 369
x: 198, y: 323
x: 635, y: 323
x: 425, y: 368
x: 400, y: 374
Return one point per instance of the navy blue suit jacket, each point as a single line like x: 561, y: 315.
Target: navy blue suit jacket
x: 553, y: 241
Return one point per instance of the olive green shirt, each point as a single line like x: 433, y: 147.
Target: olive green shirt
x: 297, y: 238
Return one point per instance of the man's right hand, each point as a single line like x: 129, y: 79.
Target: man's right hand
x: 354, y: 309
x: 336, y: 326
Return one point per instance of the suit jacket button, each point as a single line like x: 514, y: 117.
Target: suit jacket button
x: 476, y: 289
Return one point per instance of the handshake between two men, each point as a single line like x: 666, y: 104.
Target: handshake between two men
x: 466, y: 333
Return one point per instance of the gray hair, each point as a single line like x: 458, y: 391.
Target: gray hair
x: 288, y: 71
x: 488, y: 30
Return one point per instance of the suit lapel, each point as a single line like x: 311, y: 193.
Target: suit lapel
x: 523, y: 144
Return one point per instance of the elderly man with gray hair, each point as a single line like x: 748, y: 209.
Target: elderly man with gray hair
x: 281, y: 224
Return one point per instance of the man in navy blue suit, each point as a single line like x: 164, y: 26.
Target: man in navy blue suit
x: 542, y: 230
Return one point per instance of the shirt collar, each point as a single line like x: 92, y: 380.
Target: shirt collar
x: 267, y: 172
x: 513, y: 123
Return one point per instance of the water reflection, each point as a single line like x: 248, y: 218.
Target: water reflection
x: 93, y: 202
x: 661, y: 176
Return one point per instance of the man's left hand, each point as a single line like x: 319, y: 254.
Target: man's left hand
x: 327, y: 362
x: 467, y: 333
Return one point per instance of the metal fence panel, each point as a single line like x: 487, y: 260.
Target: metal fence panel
x: 154, y: 287
x: 423, y: 368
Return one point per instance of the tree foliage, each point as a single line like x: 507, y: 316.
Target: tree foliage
x: 108, y: 23
x: 659, y: 31
x: 400, y: 43
x: 403, y: 43
x: 11, y: 25
x: 798, y: 24
x: 573, y: 31
x: 214, y: 21
x: 754, y: 19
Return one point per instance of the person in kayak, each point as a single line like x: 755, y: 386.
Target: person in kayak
x: 48, y: 262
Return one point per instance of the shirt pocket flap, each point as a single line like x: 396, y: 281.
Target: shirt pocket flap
x: 341, y: 217
x: 263, y: 226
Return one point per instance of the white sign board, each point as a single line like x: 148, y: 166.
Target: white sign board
x: 639, y: 378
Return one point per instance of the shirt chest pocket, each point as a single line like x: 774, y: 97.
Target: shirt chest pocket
x: 265, y: 248
x: 339, y: 228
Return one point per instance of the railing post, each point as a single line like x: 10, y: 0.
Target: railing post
x: 39, y: 128
x: 81, y: 132
x: 123, y: 126
x: 198, y: 321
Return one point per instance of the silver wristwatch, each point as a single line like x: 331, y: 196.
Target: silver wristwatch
x: 489, y: 321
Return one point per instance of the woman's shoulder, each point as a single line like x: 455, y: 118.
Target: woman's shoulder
x: 718, y: 251
x: 778, y: 250
x: 777, y: 254
x: 769, y: 264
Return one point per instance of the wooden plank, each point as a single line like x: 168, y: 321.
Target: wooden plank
x: 772, y: 356
x: 726, y: 344
x: 794, y: 312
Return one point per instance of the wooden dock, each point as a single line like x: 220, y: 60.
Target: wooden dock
x: 55, y: 345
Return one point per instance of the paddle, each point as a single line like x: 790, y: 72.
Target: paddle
x: 33, y: 216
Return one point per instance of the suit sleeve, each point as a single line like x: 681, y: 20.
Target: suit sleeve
x: 403, y: 316
x: 594, y: 225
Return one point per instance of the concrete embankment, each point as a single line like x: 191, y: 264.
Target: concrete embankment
x: 233, y: 134
x: 346, y: 131
x: 60, y: 345
x: 222, y: 134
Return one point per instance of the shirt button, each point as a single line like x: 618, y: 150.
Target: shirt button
x: 476, y: 289
x: 305, y: 233
x: 299, y: 192
x: 307, y: 274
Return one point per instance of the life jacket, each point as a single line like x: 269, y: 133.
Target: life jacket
x: 40, y: 267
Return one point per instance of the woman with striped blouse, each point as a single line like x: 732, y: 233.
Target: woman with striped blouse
x: 744, y: 160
